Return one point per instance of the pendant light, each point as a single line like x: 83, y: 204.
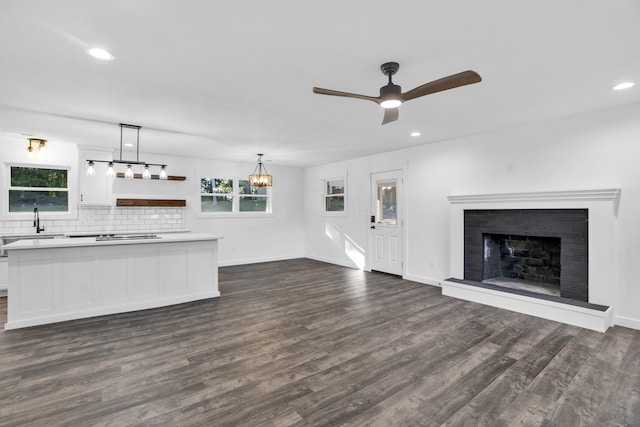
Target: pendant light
x: 91, y: 169
x: 110, y: 171
x: 260, y: 176
x: 129, y: 173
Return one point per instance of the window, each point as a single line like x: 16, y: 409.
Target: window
x: 216, y: 195
x: 252, y: 199
x: 231, y: 196
x: 334, y: 193
x: 37, y: 187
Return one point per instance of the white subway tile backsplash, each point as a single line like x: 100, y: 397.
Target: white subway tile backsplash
x: 105, y: 219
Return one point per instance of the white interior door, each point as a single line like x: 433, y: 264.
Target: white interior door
x: 386, y: 222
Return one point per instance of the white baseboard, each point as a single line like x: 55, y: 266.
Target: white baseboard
x: 229, y: 263
x: 422, y: 279
x: 332, y: 261
x: 627, y: 322
x: 559, y: 312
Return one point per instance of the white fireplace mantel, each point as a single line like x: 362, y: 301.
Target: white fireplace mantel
x: 612, y: 194
x: 602, y: 207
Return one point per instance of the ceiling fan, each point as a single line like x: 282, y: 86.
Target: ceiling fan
x: 391, y: 95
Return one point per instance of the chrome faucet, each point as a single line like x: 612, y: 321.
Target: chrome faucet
x: 36, y: 220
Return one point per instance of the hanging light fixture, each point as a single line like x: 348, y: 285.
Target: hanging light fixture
x: 129, y: 174
x: 260, y: 176
x: 110, y: 171
x: 36, y: 146
x: 91, y: 169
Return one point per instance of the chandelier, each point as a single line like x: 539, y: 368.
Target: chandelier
x: 260, y: 176
x: 129, y: 174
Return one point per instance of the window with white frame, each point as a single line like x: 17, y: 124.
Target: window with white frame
x: 229, y: 196
x: 334, y: 195
x: 45, y: 188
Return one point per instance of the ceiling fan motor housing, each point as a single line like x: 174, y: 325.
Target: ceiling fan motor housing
x: 390, y: 89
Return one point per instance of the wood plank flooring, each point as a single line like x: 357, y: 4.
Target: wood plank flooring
x: 304, y: 343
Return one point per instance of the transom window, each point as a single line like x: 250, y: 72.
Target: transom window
x: 44, y: 188
x: 224, y: 195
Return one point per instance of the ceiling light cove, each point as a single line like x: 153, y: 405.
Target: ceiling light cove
x: 101, y: 54
x: 623, y: 86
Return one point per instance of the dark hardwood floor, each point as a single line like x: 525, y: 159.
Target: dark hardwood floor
x: 306, y: 343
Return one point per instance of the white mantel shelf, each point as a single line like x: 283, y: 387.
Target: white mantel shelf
x: 55, y: 280
x: 563, y: 196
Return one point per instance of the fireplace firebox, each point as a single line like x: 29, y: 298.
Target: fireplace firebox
x: 542, y: 250
x: 522, y: 262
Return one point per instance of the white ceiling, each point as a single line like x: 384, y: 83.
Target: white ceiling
x: 227, y: 79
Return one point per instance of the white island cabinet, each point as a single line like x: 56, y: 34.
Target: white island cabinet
x: 54, y: 280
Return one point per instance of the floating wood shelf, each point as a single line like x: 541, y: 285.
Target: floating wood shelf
x: 150, y: 202
x: 169, y: 177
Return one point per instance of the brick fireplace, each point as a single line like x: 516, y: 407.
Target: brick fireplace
x: 536, y: 246
x: 518, y: 224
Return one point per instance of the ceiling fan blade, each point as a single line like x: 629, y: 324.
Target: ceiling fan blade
x: 322, y: 91
x: 456, y: 80
x: 390, y: 115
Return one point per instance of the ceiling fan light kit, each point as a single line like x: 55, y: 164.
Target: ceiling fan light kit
x: 391, y: 96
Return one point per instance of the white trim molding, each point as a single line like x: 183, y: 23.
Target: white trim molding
x: 543, y: 196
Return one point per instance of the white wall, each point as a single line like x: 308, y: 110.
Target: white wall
x: 258, y: 238
x: 245, y: 240
x: 589, y: 151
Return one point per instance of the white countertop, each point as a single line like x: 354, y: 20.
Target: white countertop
x: 92, y: 233
x: 63, y: 242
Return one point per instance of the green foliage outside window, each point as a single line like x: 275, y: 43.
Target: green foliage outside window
x: 217, y: 195
x: 334, y: 195
x: 38, y: 177
x: 42, y: 188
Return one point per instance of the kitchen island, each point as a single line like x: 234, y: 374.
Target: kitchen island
x: 54, y: 280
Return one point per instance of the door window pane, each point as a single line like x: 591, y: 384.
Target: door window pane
x: 387, y: 205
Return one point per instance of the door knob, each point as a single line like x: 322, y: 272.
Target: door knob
x: 373, y: 227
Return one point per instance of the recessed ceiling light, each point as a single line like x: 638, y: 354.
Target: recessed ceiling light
x: 622, y: 86
x: 102, y: 54
x: 127, y: 144
x: 415, y: 134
